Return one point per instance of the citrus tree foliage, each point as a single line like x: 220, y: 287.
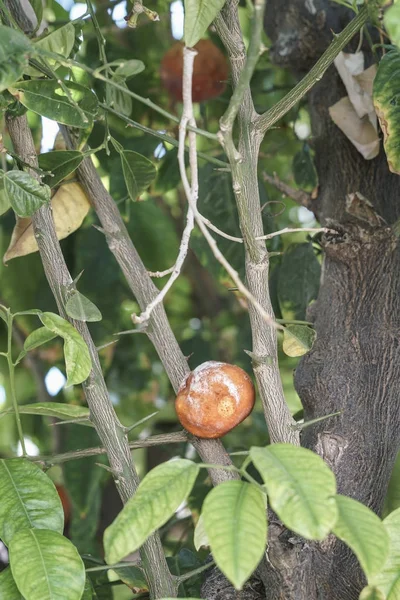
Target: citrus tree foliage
x: 116, y: 84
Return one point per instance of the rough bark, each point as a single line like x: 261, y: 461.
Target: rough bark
x: 354, y: 364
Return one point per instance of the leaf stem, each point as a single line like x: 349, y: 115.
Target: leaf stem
x: 11, y: 372
x: 182, y: 578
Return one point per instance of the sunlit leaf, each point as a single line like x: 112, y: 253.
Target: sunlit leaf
x: 159, y: 495
x: 28, y: 499
x: 46, y: 566
x: 371, y: 593
x: 8, y: 587
x: 47, y: 98
x: 235, y: 520
x: 37, y: 338
x: 70, y: 205
x: 76, y: 353
x: 4, y: 200
x: 388, y: 579
x: 200, y: 535
x: 25, y: 194
x: 61, y: 41
x: 387, y: 102
x: 297, y: 339
x: 391, y: 20
x: 14, y: 53
x: 300, y: 488
x: 52, y: 409
x: 360, y: 528
x: 129, y: 68
x: 199, y: 14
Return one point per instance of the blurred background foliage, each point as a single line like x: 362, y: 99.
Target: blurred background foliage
x: 210, y: 320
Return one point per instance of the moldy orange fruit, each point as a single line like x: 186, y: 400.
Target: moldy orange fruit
x: 214, y: 398
x: 210, y: 71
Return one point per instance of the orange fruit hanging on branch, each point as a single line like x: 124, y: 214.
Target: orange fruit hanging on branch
x: 214, y: 398
x: 210, y: 71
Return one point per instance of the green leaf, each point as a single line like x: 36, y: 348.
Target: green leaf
x: 129, y: 68
x: 4, y: 199
x: 57, y: 410
x: 138, y: 171
x: 28, y: 499
x: 121, y: 101
x: 8, y: 587
x: 235, y: 520
x: 88, y: 590
x: 158, y: 496
x: 25, y: 194
x: 200, y: 536
x: 45, y: 97
x: 300, y: 487
x: 14, y: 54
x: 386, y: 93
x: 388, y: 579
x: 81, y: 308
x: 199, y: 14
x: 298, y: 284
x: 133, y: 577
x: 391, y: 20
x: 304, y: 170
x: 61, y: 41
x: 371, y: 593
x: 392, y: 499
x: 76, y: 352
x: 360, y: 528
x: 37, y: 338
x: 46, y: 566
x: 60, y: 163
x: 298, y: 339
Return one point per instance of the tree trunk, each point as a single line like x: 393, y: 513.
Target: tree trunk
x: 354, y: 364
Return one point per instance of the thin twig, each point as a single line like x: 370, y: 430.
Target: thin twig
x: 156, y: 274
x: 299, y: 196
x: 269, y: 118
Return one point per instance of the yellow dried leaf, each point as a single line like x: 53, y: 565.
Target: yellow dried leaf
x: 70, y: 206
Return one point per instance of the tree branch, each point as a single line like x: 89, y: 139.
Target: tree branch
x: 269, y: 118
x: 299, y: 196
x: 245, y: 185
x: 159, y: 330
x: 103, y: 416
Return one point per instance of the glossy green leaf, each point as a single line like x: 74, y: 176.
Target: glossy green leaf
x: 371, y: 593
x: 46, y: 566
x: 28, y: 499
x: 88, y: 590
x: 199, y: 14
x: 14, y: 53
x: 391, y: 20
x: 297, y: 339
x: 76, y: 353
x: 81, y: 308
x: 8, y: 587
x: 235, y: 521
x: 298, y: 284
x: 61, y: 41
x: 386, y: 93
x: 138, y: 171
x: 38, y: 337
x: 60, y: 163
x: 360, y: 528
x: 304, y: 170
x: 57, y: 410
x: 300, y: 488
x: 46, y: 98
x: 388, y: 579
x: 25, y: 194
x: 159, y: 495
